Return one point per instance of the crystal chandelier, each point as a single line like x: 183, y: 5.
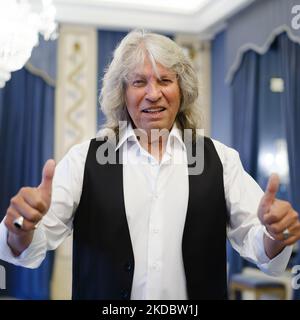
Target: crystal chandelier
x: 20, y: 26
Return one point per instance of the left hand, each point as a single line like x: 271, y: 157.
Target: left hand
x: 278, y: 215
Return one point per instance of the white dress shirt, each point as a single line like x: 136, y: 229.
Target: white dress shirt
x: 156, y: 199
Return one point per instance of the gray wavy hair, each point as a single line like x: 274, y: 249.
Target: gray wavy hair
x: 131, y: 53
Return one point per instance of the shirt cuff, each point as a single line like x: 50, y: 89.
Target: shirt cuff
x: 31, y: 257
x: 275, y: 266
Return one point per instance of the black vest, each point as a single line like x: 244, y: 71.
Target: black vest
x: 103, y: 259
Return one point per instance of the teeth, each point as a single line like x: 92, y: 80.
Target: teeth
x: 152, y: 110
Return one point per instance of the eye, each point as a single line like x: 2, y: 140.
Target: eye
x: 165, y: 81
x: 138, y: 83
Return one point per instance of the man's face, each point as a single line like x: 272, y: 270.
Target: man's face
x: 152, y: 102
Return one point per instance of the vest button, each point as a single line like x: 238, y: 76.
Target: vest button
x: 128, y: 266
x: 125, y: 295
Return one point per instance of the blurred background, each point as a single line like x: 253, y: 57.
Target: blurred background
x: 52, y: 60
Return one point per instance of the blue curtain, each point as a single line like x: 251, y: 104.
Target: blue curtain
x: 261, y: 117
x: 290, y: 66
x: 245, y: 112
x: 271, y: 126
x: 245, y: 130
x: 26, y: 142
x: 221, y: 94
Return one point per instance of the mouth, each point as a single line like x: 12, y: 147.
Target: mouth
x: 154, y: 110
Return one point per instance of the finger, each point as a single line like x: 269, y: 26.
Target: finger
x: 278, y: 210
x: 271, y: 190
x: 27, y: 211
x: 287, y: 222
x: 32, y: 197
x: 47, y: 178
x: 27, y: 226
x: 11, y: 215
x: 293, y: 229
x: 291, y: 240
x: 294, y: 233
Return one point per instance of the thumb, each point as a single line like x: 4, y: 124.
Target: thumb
x: 47, y: 177
x: 270, y: 193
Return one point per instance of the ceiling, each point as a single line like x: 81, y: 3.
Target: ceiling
x: 201, y: 17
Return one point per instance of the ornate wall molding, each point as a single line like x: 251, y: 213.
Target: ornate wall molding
x: 76, y: 94
x: 75, y: 120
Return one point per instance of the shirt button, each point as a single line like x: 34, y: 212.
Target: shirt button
x: 155, y: 230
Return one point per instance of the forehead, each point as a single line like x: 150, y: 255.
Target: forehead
x: 147, y: 68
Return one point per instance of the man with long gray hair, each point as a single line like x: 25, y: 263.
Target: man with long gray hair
x: 146, y: 225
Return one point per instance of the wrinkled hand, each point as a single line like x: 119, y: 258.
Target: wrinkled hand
x: 31, y: 203
x: 278, y: 215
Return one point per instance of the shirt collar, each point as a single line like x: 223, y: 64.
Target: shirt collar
x: 176, y: 135
x: 127, y: 134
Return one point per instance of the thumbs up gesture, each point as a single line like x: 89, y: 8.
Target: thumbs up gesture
x: 278, y: 216
x: 45, y: 188
x: 30, y: 205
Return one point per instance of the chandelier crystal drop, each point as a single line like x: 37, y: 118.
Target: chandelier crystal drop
x: 21, y: 22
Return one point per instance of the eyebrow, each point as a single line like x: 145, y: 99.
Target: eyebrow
x: 141, y: 75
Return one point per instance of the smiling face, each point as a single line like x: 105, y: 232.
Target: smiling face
x: 152, y: 99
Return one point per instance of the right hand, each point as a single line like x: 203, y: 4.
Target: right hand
x: 31, y: 203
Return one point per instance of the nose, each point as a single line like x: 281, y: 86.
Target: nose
x: 153, y: 92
